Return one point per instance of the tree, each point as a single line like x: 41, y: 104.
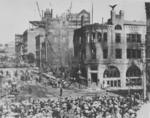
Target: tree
x: 31, y: 58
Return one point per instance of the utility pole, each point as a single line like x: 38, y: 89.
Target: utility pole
x: 144, y: 69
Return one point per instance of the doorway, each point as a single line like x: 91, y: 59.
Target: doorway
x: 94, y: 78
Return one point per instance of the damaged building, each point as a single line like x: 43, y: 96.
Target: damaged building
x: 111, y: 53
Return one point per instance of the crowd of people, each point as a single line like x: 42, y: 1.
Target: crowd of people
x: 80, y: 107
x: 71, y: 107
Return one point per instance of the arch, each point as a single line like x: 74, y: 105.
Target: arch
x: 133, y: 71
x: 111, y: 72
x: 118, y: 27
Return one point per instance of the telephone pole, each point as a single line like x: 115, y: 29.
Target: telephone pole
x: 144, y: 69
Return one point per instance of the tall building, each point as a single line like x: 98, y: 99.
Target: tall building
x: 18, y: 47
x: 58, y: 38
x: 10, y: 50
x: 112, y: 53
x: 29, y: 40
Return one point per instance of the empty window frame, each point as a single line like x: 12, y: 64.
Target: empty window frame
x: 133, y: 53
x: 99, y: 36
x: 118, y: 38
x: 112, y: 71
x: 133, y: 71
x: 133, y: 38
x: 105, y: 37
x: 93, y: 53
x: 105, y: 53
x: 118, y: 53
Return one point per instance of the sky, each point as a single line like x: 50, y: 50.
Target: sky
x: 16, y: 14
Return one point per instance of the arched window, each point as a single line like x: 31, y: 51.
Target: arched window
x: 112, y: 71
x: 118, y: 27
x: 133, y: 71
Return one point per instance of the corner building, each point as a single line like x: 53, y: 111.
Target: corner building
x: 112, y: 53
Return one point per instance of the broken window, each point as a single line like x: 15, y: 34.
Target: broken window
x: 112, y: 71
x: 118, y: 53
x: 93, y: 53
x: 138, y: 38
x: 105, y: 53
x: 128, y: 38
x: 133, y: 71
x: 133, y: 38
x: 133, y: 53
x: 99, y: 36
x: 105, y: 37
x: 129, y: 54
x: 118, y: 38
x: 138, y: 53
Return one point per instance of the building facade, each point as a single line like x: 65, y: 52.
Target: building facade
x: 18, y: 47
x: 75, y: 19
x: 147, y: 7
x: 29, y: 40
x: 59, y: 38
x: 40, y: 51
x: 113, y: 53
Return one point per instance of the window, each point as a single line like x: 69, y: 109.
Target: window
x: 138, y: 38
x: 105, y: 37
x: 128, y: 38
x: 129, y: 54
x: 99, y: 36
x: 133, y: 38
x: 105, y: 53
x: 93, y: 35
x: 112, y: 71
x: 133, y: 75
x: 118, y: 27
x: 133, y: 53
x: 93, y: 53
x: 138, y: 53
x: 133, y: 71
x: 118, y: 53
x: 119, y: 83
x: 118, y: 38
x: 115, y: 83
x: 43, y: 44
x: 64, y: 23
x: 63, y: 39
x: 93, y: 67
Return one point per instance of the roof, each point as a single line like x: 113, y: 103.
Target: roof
x: 141, y: 23
x: 38, y: 23
x: 84, y: 11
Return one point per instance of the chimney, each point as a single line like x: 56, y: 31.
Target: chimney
x: 121, y: 14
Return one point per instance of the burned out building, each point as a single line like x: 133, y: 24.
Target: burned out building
x: 147, y: 7
x: 112, y: 53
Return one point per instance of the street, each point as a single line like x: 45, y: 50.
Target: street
x: 144, y: 112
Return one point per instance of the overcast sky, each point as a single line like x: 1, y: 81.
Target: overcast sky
x: 16, y: 14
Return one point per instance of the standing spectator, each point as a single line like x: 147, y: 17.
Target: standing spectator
x: 61, y: 90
